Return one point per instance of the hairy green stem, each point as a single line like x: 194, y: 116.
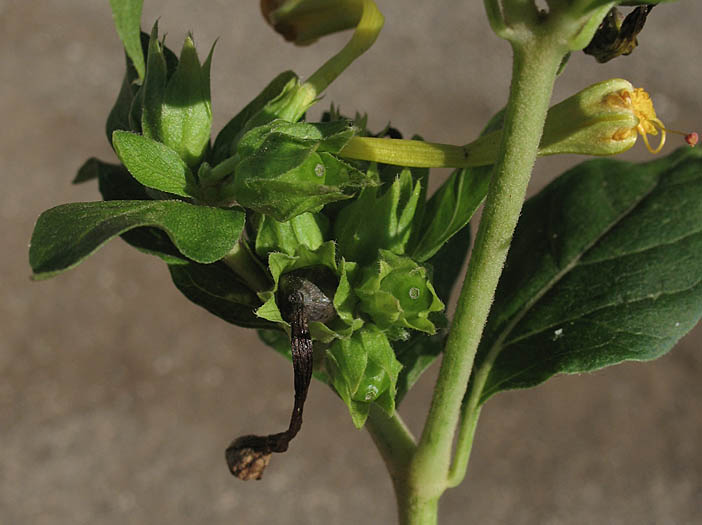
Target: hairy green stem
x: 464, y: 443
x: 396, y: 445
x: 365, y: 34
x: 393, y: 440
x: 535, y: 65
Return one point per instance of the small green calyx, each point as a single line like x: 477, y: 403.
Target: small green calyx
x: 587, y: 123
x: 397, y: 294
x: 176, y: 109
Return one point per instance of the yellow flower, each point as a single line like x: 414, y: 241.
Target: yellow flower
x: 641, y: 104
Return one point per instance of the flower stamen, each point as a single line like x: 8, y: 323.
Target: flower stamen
x: 639, y: 102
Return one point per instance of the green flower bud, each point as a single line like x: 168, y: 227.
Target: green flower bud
x: 176, y: 107
x: 396, y: 293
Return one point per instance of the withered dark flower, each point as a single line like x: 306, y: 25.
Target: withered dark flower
x: 302, y: 302
x: 617, y: 35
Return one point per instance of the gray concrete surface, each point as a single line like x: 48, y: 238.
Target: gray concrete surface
x: 118, y: 396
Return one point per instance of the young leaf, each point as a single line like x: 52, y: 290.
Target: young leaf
x: 116, y: 184
x: 127, y: 17
x: 89, y: 170
x: 153, y: 164
x: 67, y: 234
x: 228, y: 138
x: 215, y: 288
x: 447, y: 263
x: 450, y: 209
x: 605, y: 266
x: 119, y: 114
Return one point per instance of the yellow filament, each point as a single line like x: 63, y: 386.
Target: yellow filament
x: 657, y: 125
x: 639, y: 102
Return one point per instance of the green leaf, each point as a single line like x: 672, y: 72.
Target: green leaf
x: 447, y: 263
x: 227, y: 139
x: 363, y: 370
x: 286, y: 169
x: 119, y: 114
x: 67, y: 234
x: 217, y: 289
x: 153, y: 164
x: 116, y: 183
x: 127, y: 17
x: 451, y: 208
x: 90, y: 170
x: 416, y: 355
x: 605, y: 266
x: 322, y: 136
x: 372, y: 222
x: 345, y: 300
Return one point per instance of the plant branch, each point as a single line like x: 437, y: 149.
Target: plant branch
x: 364, y: 36
x: 464, y: 443
x: 393, y: 440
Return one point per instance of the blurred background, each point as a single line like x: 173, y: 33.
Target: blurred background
x: 118, y: 396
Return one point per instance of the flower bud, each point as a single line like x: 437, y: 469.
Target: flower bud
x: 304, y: 21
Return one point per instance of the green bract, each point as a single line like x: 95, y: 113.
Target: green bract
x: 363, y: 370
x: 397, y: 294
x: 372, y: 221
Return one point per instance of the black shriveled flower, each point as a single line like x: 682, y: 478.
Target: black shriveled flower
x: 302, y: 302
x: 617, y: 35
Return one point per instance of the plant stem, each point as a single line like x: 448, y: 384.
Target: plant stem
x: 393, y: 440
x: 396, y: 445
x: 420, y: 154
x: 536, y: 62
x: 365, y: 34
